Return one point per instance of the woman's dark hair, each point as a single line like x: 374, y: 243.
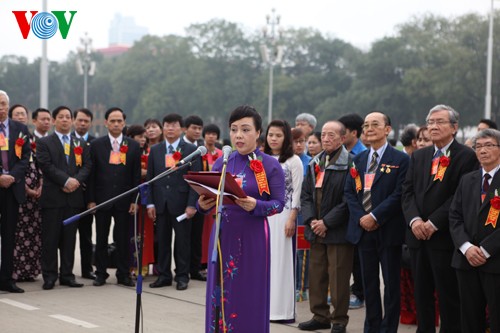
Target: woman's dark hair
x: 287, y: 148
x: 317, y: 135
x: 420, y: 130
x: 211, y: 128
x: 11, y: 109
x: 245, y: 111
x: 134, y: 130
x: 150, y: 121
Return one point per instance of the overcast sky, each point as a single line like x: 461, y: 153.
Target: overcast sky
x: 357, y: 22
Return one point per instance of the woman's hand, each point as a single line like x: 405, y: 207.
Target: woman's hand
x: 290, y: 228
x: 206, y: 203
x: 247, y: 203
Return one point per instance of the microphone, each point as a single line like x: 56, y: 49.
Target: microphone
x: 226, y: 151
x: 201, y: 151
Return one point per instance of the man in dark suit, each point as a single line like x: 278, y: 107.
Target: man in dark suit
x: 326, y: 216
x: 376, y: 222
x: 473, y: 221
x: 116, y: 168
x: 82, y: 123
x: 428, y: 190
x: 193, y: 128
x: 13, y: 163
x: 169, y: 198
x: 65, y: 164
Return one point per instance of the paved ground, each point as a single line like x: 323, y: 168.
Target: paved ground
x: 111, y: 308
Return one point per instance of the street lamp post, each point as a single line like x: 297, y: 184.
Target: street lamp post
x: 489, y: 69
x: 44, y: 70
x: 273, y: 55
x: 84, y: 64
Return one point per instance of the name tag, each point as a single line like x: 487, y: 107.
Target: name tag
x: 114, y: 157
x: 369, y: 177
x: 319, y: 179
x: 169, y: 161
x: 4, y: 143
x: 66, y: 149
x: 435, y: 164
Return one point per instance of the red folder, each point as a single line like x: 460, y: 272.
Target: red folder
x: 302, y: 243
x: 207, y: 184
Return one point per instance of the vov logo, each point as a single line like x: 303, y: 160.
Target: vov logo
x: 44, y: 24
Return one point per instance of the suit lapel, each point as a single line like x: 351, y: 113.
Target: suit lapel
x: 386, y: 159
x: 495, y: 184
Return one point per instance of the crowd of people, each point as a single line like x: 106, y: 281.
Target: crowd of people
x: 423, y: 217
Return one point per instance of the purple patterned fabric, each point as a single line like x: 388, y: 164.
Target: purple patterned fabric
x: 244, y: 241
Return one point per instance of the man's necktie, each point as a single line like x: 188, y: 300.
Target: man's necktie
x: 367, y: 194
x: 486, y: 183
x: 170, y: 149
x: 65, y: 139
x: 5, y: 153
x: 116, y: 146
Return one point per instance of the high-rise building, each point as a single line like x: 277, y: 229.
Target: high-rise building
x: 124, y: 31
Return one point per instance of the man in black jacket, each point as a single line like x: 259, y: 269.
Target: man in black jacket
x: 65, y: 164
x: 428, y: 190
x: 326, y: 216
x: 83, y: 122
x: 116, y: 169
x: 12, y: 168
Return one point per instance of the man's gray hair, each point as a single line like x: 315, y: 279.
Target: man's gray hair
x: 487, y: 133
x: 454, y: 116
x: 307, y: 117
x: 5, y: 94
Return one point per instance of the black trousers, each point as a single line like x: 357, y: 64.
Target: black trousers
x: 121, y: 237
x: 85, y: 237
x: 56, y: 236
x: 196, y: 232
x: 432, y: 271
x: 478, y: 289
x: 9, y: 213
x: 165, y: 223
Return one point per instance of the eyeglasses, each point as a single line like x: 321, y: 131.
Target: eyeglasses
x: 302, y: 141
x: 486, y: 146
x: 438, y: 122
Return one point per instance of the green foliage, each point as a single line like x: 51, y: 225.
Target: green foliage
x: 217, y: 65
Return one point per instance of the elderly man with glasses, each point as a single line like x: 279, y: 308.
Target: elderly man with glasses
x: 430, y: 184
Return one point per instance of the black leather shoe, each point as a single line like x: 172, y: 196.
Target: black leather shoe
x: 198, y: 276
x: 99, y: 281
x: 89, y: 275
x: 160, y: 282
x: 47, y: 285
x: 313, y: 325
x: 181, y: 285
x: 11, y: 288
x: 338, y: 328
x: 70, y: 283
x: 126, y: 281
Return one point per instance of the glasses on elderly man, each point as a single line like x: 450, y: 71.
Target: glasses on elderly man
x: 486, y: 146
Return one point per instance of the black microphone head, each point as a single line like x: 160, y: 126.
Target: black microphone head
x: 203, y: 150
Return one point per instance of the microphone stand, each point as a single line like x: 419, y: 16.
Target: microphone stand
x: 143, y: 188
x: 220, y: 207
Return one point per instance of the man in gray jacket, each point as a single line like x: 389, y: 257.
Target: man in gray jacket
x: 326, y: 216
